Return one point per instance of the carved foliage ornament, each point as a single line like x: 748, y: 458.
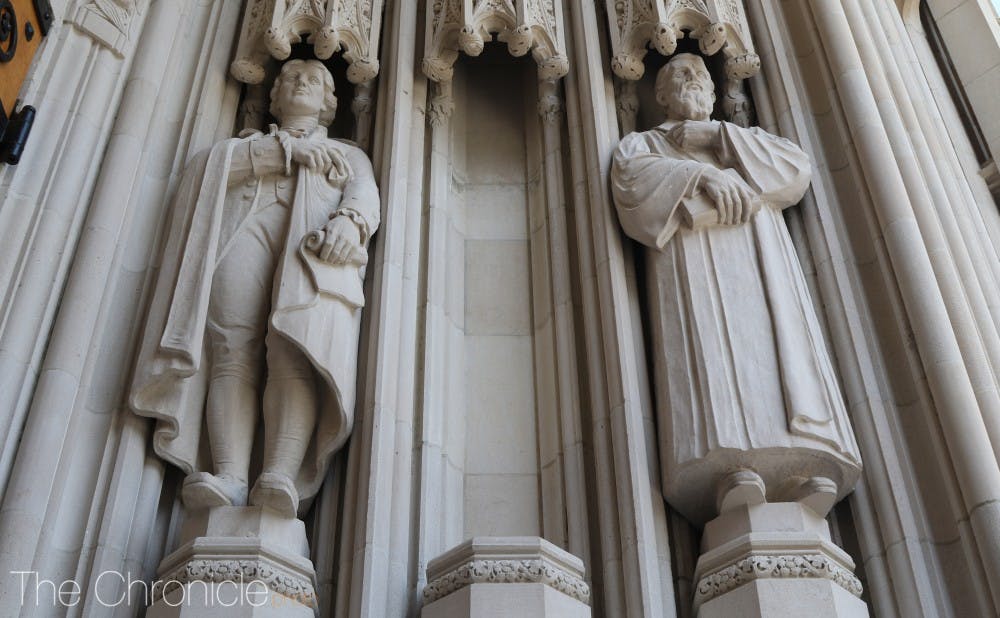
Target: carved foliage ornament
x: 775, y: 567
x: 466, y: 25
x: 533, y: 571
x: 717, y: 25
x: 216, y: 571
x: 271, y: 27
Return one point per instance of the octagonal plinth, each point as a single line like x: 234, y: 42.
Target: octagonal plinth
x: 245, y: 562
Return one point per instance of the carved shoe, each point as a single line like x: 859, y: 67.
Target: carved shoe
x: 740, y: 488
x: 818, y: 493
x: 276, y: 492
x: 203, y: 490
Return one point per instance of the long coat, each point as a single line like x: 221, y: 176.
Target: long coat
x: 742, y: 374
x: 317, y: 306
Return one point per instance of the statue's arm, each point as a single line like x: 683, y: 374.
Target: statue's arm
x: 360, y: 202
x: 776, y: 168
x: 648, y: 188
x: 256, y: 158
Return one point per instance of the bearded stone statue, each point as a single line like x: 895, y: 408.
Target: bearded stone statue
x: 747, y: 400
x: 258, y: 304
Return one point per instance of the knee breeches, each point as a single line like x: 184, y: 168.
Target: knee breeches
x: 240, y: 303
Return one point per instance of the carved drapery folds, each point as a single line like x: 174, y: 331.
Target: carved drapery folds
x: 466, y: 25
x: 717, y: 25
x: 271, y: 27
x: 109, y: 22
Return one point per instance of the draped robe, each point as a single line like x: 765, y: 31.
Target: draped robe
x: 742, y: 375
x: 315, y: 305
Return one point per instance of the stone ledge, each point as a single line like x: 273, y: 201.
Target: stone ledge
x: 514, y: 560
x: 277, y: 577
x: 774, y: 566
x: 770, y: 541
x: 242, y: 545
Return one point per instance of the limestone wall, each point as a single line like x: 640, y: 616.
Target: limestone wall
x: 504, y: 387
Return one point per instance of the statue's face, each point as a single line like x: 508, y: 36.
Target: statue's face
x: 302, y: 91
x: 687, y: 91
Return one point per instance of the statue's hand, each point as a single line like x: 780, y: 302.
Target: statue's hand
x: 313, y: 154
x: 695, y: 134
x: 339, y: 171
x: 342, y: 242
x: 733, y: 198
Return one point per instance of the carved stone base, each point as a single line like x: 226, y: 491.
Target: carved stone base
x: 774, y: 559
x: 513, y: 576
x: 237, y: 562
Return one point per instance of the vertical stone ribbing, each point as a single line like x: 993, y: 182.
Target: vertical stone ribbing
x: 635, y: 563
x: 963, y: 426
x: 376, y: 574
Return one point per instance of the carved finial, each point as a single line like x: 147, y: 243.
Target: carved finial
x: 466, y: 26
x: 442, y: 104
x: 361, y: 71
x: 271, y: 28
x: 550, y: 104
x: 470, y: 42
x: 665, y: 38
x: 627, y: 105
x: 325, y: 42
x: 628, y: 66
x: 717, y: 25
x: 520, y: 40
x: 736, y: 104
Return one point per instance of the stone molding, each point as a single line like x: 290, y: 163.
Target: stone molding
x: 271, y: 27
x: 718, y: 25
x: 527, y: 560
x: 109, y: 22
x: 277, y: 578
x: 550, y: 103
x: 242, y: 545
x: 757, y: 567
x: 508, y: 572
x: 466, y: 25
x: 441, y: 105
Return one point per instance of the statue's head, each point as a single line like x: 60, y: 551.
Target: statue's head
x: 304, y: 88
x: 684, y: 88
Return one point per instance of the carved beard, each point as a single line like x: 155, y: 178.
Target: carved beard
x: 691, y: 104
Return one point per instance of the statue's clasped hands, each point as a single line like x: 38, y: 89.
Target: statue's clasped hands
x: 695, y: 134
x: 321, y: 158
x: 733, y: 198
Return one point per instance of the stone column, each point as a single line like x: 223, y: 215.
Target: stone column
x: 962, y: 426
x: 506, y: 576
x: 635, y: 576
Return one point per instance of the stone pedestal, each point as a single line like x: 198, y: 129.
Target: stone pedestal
x: 774, y: 559
x: 237, y: 562
x: 526, y: 577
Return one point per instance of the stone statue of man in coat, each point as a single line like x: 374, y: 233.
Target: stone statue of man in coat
x: 257, y: 308
x: 748, y: 405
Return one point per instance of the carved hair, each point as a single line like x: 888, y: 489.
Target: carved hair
x: 663, y: 78
x: 329, y: 111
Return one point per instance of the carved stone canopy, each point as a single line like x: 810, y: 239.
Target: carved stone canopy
x: 270, y: 27
x: 717, y: 25
x: 466, y: 25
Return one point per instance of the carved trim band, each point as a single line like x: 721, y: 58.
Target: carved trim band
x: 536, y: 571
x: 276, y: 578
x: 815, y: 566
